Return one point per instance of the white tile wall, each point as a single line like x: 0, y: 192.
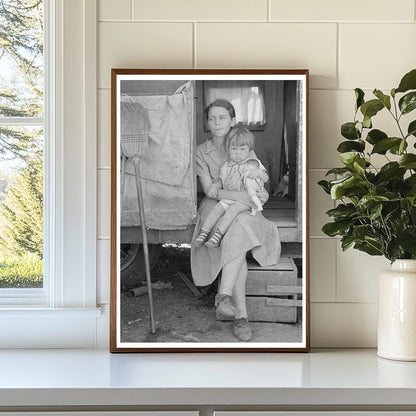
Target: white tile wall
x: 376, y: 55
x: 345, y: 44
x: 103, y: 270
x: 270, y: 45
x: 104, y: 128
x: 357, y: 275
x: 200, y: 10
x: 369, y: 10
x: 323, y: 269
x: 114, y: 10
x: 104, y: 202
x: 142, y: 45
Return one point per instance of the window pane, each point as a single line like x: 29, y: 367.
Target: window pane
x: 21, y: 207
x: 21, y: 58
x: 247, y: 98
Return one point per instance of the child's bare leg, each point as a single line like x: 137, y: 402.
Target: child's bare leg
x: 251, y: 187
x: 224, y: 223
x: 231, y: 214
x: 208, y: 224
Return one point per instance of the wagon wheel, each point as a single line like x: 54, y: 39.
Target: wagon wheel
x: 132, y: 267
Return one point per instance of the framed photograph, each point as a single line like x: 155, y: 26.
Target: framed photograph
x: 209, y: 211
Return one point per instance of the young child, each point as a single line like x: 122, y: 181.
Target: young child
x: 240, y: 172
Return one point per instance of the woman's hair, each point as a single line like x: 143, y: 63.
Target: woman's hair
x: 240, y: 136
x: 221, y: 103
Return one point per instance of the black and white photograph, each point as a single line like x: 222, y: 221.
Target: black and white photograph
x: 209, y: 210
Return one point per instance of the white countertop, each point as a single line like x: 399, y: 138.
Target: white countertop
x: 96, y: 377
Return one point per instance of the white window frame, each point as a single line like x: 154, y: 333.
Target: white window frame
x: 64, y: 313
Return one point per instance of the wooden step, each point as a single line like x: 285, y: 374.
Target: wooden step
x: 272, y: 291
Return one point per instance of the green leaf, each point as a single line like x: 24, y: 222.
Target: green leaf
x: 391, y: 170
x: 375, y: 136
x: 348, y: 158
x: 349, y: 131
x: 342, y: 211
x: 346, y: 242
x: 408, y: 102
x: 407, y: 240
x: 325, y: 186
x: 349, y: 146
x: 375, y: 211
x: 408, y: 161
x: 361, y: 231
x: 408, y: 82
x: 359, y: 94
x: 398, y: 149
x: 347, y: 187
x: 338, y: 171
x: 338, y: 188
x: 402, y: 147
x: 385, y: 99
x: 371, y: 108
x: 367, y: 122
x: 383, y: 145
x: 359, y: 165
x: 369, y: 201
x: 336, y: 228
x: 368, y: 248
x: 411, y: 130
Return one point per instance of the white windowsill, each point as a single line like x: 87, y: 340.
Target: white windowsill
x: 36, y: 312
x: 331, y: 379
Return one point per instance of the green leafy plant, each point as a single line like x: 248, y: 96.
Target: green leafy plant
x: 376, y: 210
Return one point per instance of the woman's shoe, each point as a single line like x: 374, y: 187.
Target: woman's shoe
x: 225, y: 305
x: 242, y: 330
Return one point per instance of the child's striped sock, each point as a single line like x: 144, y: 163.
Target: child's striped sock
x: 203, y: 235
x: 215, y: 240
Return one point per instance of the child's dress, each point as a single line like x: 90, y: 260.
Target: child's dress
x: 246, y: 233
x: 233, y: 176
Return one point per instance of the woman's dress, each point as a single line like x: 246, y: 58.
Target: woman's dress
x: 247, y: 232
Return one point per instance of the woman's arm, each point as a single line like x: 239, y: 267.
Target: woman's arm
x: 234, y: 195
x: 206, y: 183
x: 210, y: 189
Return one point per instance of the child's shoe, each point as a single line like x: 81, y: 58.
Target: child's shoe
x: 215, y: 240
x: 225, y: 305
x: 242, y: 330
x: 202, y: 237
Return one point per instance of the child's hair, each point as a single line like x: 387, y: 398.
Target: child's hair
x: 220, y: 103
x: 240, y: 136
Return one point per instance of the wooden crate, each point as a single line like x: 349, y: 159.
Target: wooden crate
x: 271, y: 292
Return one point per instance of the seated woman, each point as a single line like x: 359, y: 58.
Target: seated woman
x: 246, y: 233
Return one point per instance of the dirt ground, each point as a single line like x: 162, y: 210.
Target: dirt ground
x: 180, y: 316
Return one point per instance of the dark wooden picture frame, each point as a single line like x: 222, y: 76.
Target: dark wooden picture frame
x: 157, y: 122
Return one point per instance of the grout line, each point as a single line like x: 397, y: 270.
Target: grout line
x: 356, y: 302
x: 338, y: 63
x: 194, y: 63
x: 309, y: 22
x: 324, y: 237
x: 269, y: 10
x: 336, y: 271
x: 131, y: 9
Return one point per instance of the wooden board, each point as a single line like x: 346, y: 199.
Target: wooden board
x: 259, y: 309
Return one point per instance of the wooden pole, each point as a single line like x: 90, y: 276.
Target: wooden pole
x: 136, y: 162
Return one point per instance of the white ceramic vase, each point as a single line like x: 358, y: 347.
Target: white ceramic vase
x: 397, y: 312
